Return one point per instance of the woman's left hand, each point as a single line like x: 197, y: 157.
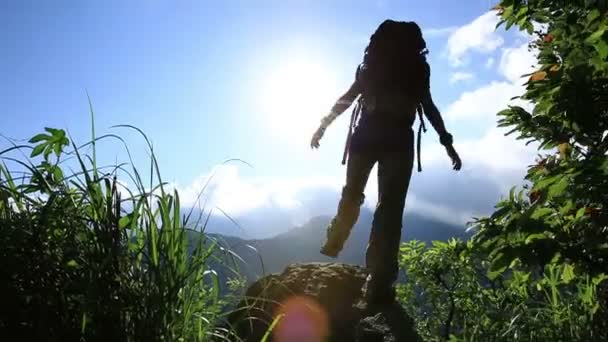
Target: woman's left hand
x: 316, y: 138
x: 456, y: 162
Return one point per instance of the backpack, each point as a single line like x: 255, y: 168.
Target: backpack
x: 394, y: 61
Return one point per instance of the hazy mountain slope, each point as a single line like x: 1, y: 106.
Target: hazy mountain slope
x: 301, y: 244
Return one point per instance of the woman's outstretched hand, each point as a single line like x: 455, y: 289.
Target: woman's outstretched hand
x: 316, y: 138
x: 456, y: 162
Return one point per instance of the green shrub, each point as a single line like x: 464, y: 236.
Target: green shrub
x: 536, y: 269
x: 85, y: 258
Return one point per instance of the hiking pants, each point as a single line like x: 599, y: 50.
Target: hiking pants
x: 394, y: 173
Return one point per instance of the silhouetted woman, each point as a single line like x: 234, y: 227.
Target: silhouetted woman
x: 392, y: 85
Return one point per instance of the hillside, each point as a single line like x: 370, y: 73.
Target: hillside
x: 301, y: 244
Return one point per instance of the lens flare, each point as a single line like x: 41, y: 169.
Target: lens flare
x: 303, y: 320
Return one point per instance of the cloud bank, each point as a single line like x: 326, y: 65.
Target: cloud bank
x: 479, y: 36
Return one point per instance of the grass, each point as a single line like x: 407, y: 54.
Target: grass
x: 86, y: 258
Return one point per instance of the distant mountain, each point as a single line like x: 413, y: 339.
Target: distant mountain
x: 302, y: 244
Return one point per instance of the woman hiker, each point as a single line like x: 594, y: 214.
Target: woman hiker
x: 392, y: 85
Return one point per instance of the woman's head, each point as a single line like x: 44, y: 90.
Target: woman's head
x: 400, y: 34
x: 396, y: 38
x: 395, y: 55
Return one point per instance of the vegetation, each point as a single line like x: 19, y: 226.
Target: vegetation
x: 536, y: 269
x: 84, y: 257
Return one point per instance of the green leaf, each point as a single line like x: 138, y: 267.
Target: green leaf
x: 498, y: 265
x: 522, y: 23
x: 271, y: 327
x: 508, y: 11
x: 72, y: 263
x: 39, y: 137
x: 602, y: 49
x: 595, y: 36
x: 37, y: 150
x: 546, y: 182
x: 523, y: 11
x: 566, y: 207
x: 124, y: 221
x: 533, y: 237
x: 541, y: 212
x: 499, y: 23
x: 580, y: 213
x: 58, y: 174
x: 47, y: 152
x: 593, y: 15
x: 568, y: 274
x: 83, y: 325
x: 57, y: 149
x: 558, y: 188
x: 599, y: 279
x: 505, y: 112
x: 54, y: 131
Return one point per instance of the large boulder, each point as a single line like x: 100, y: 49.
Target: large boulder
x: 317, y: 302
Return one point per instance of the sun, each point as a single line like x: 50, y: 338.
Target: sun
x: 295, y: 96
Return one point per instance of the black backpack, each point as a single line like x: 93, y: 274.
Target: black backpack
x: 395, y: 56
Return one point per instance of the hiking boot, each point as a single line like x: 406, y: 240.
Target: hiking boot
x: 336, y: 236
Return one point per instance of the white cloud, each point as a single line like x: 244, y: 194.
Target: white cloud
x: 257, y: 201
x: 516, y: 62
x: 483, y: 102
x: 460, y: 76
x: 497, y: 152
x: 441, y: 212
x: 498, y: 158
x: 479, y: 35
x: 503, y: 159
x: 237, y: 195
x: 438, y: 32
x: 265, y: 207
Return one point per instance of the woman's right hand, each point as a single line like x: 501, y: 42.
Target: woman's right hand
x: 456, y: 162
x: 316, y: 137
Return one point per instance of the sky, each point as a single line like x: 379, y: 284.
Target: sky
x: 210, y: 81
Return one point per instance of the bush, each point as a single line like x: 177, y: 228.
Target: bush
x: 535, y: 270
x: 85, y: 258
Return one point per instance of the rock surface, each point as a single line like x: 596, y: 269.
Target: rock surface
x: 317, y: 302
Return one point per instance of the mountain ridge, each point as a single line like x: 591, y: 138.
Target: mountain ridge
x: 260, y: 257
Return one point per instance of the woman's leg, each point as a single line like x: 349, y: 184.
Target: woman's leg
x: 394, y: 173
x: 357, y: 173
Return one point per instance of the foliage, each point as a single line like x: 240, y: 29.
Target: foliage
x: 563, y: 212
x: 536, y: 268
x: 452, y: 295
x: 86, y: 258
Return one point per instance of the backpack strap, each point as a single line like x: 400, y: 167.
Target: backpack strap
x: 421, y: 127
x: 353, y: 120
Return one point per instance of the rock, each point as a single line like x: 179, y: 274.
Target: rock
x: 391, y: 324
x: 317, y: 302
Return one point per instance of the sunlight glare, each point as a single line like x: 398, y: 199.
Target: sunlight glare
x: 296, y: 96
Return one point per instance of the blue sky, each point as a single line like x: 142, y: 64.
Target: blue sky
x: 214, y: 80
